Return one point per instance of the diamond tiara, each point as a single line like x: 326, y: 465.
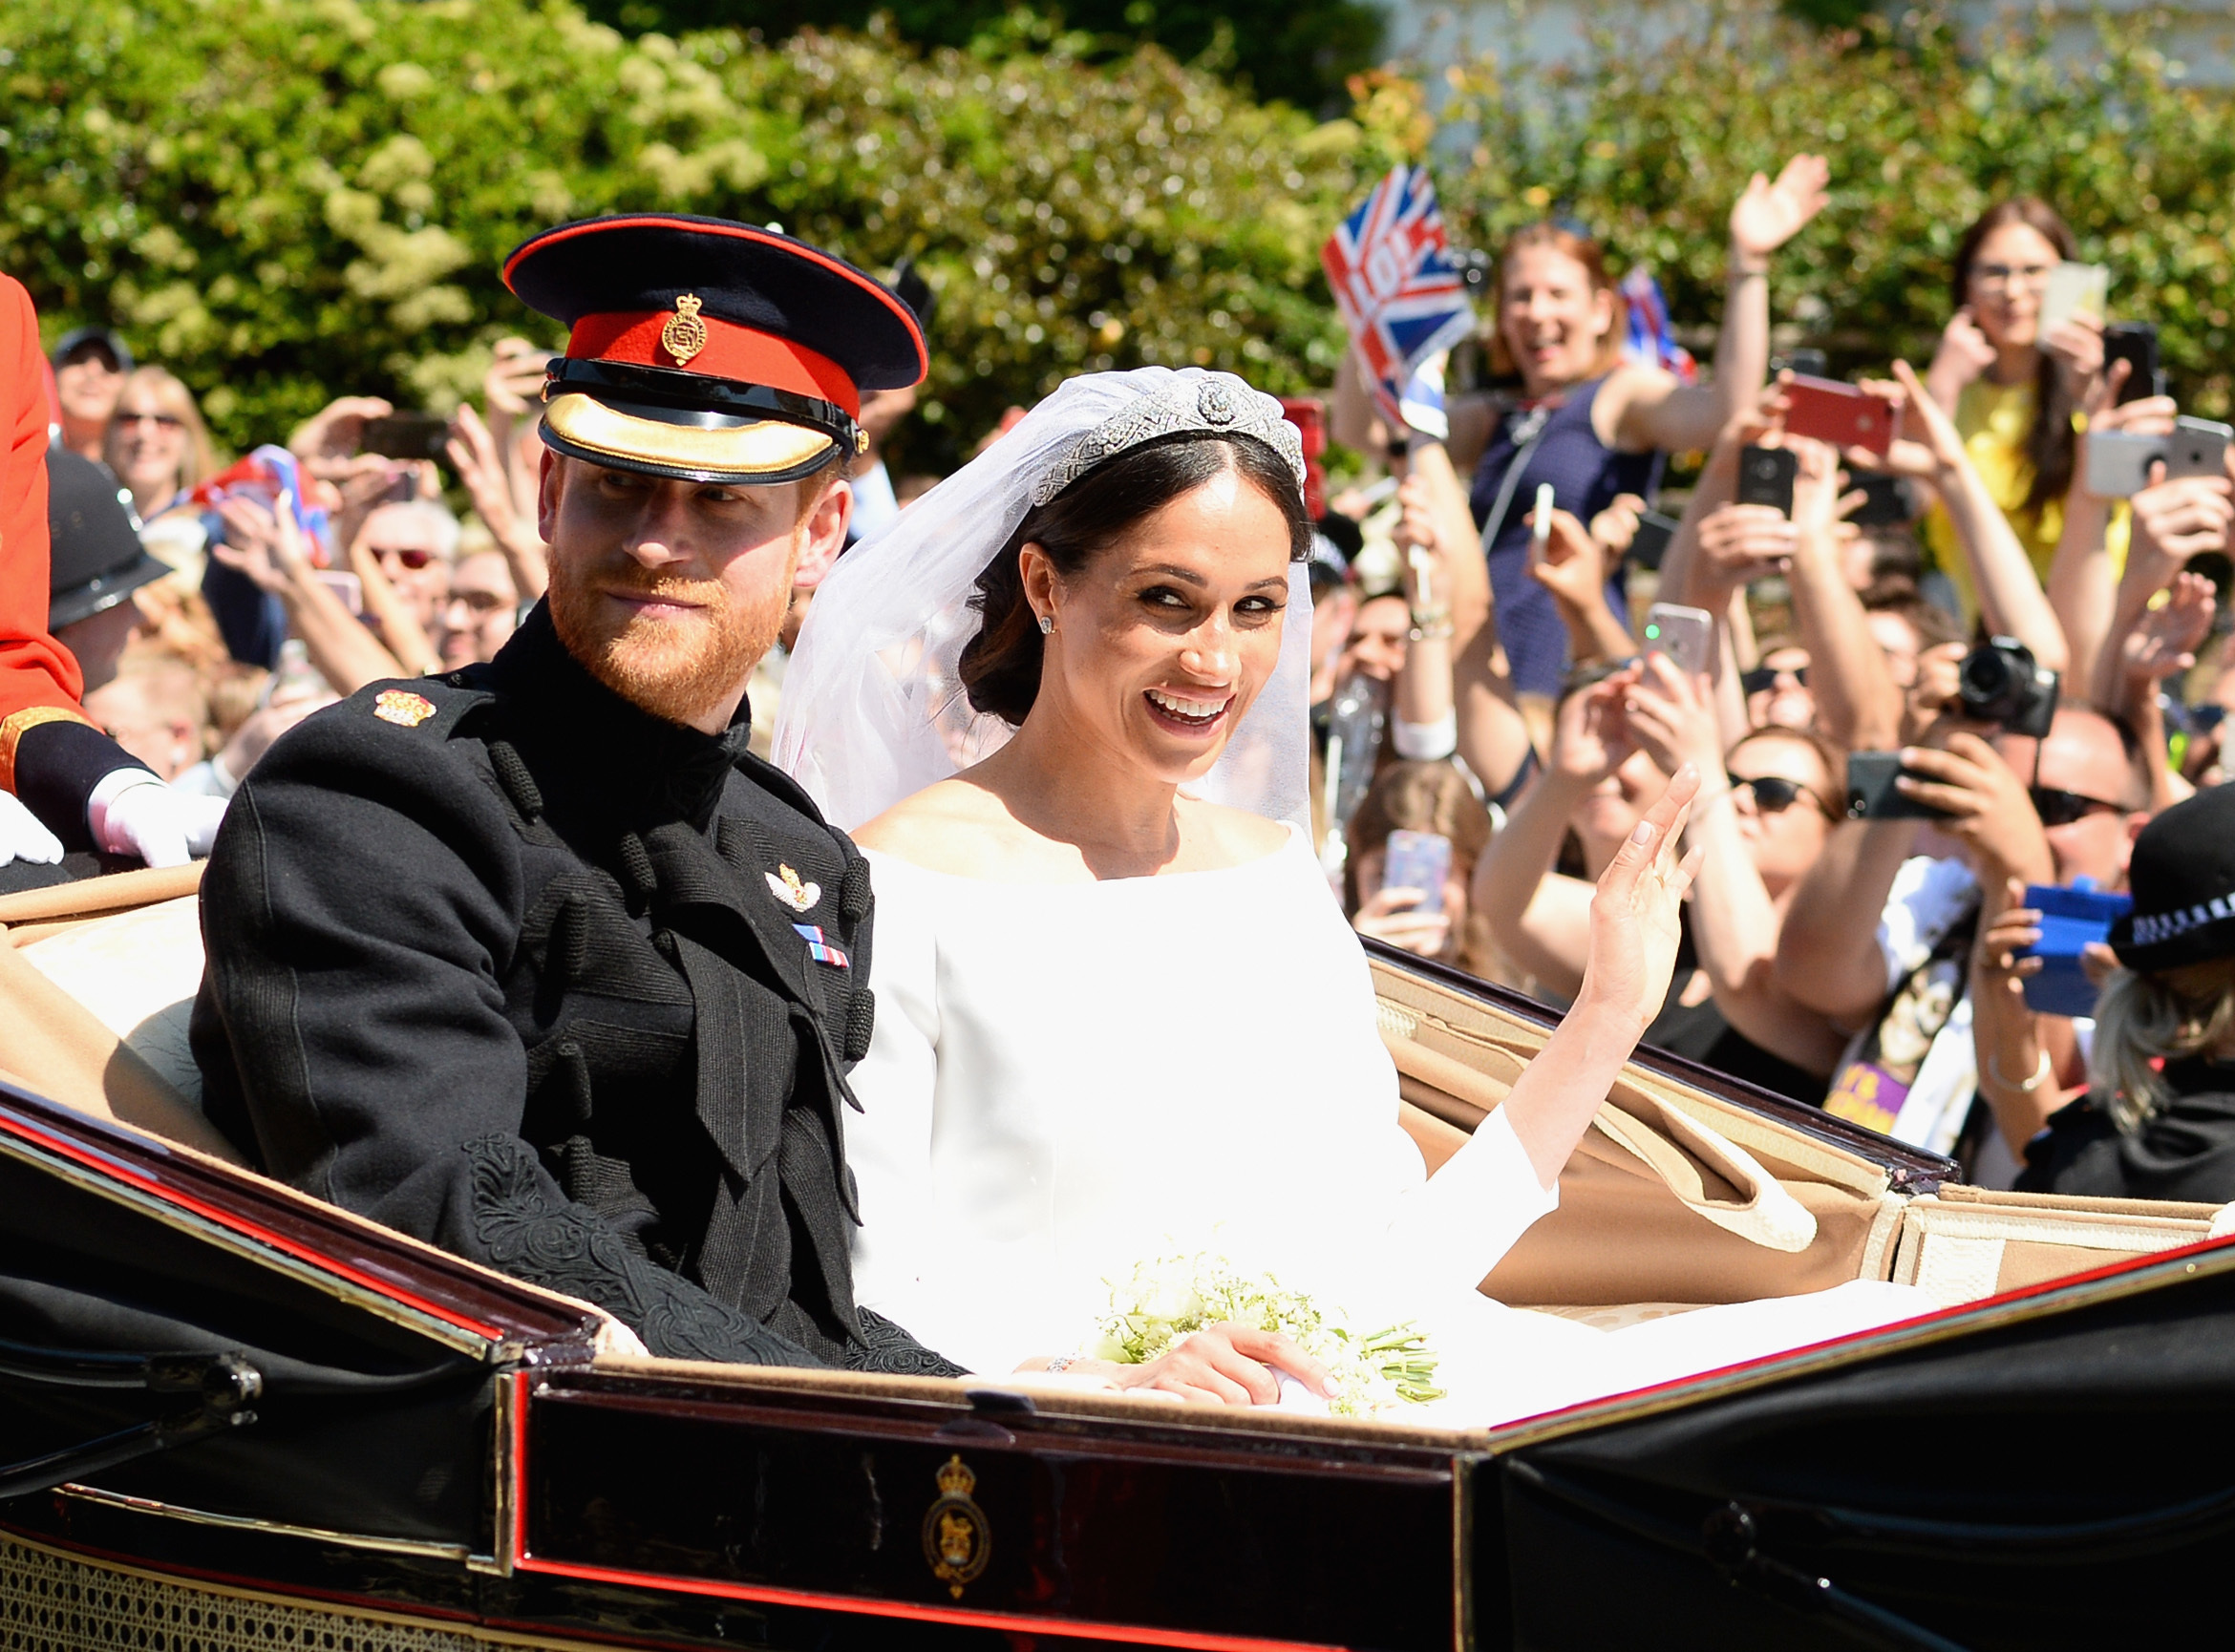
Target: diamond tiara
x: 1217, y: 404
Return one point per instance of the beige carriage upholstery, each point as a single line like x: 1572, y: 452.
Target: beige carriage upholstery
x: 1676, y: 1198
x: 1638, y: 1233
x: 95, y: 985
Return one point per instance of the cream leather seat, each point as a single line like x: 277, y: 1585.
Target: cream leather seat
x: 137, y: 971
x: 96, y: 983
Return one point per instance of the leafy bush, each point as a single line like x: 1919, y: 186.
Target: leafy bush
x: 1299, y: 51
x: 1651, y: 139
x: 284, y: 200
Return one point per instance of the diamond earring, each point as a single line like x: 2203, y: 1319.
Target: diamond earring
x: 1046, y: 625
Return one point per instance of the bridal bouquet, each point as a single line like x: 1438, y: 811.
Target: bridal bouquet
x: 1166, y: 1298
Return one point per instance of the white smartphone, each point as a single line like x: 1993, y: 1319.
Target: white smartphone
x: 1540, y: 522
x: 2073, y: 289
x: 1681, y: 633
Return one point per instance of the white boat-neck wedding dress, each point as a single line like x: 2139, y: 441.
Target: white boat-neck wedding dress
x: 1066, y: 1080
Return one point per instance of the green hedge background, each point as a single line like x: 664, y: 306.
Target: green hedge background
x: 285, y: 199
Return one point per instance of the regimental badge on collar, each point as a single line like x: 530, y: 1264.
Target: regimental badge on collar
x: 405, y: 709
x: 684, y: 335
x: 785, y: 885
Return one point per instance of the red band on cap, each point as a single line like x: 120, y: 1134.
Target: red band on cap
x: 732, y: 352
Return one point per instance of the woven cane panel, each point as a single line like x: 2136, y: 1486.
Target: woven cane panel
x: 52, y: 1604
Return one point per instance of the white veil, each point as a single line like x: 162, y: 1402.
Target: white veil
x: 873, y: 707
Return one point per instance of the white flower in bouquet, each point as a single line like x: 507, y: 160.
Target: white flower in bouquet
x: 1171, y: 1296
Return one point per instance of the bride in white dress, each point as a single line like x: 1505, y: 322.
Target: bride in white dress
x: 1117, y: 1018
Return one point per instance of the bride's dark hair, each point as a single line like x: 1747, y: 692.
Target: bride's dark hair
x: 1000, y: 666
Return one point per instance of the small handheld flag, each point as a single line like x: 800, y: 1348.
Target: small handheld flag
x: 1651, y: 342
x: 1401, y: 295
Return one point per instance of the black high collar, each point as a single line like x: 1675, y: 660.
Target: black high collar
x: 601, y: 753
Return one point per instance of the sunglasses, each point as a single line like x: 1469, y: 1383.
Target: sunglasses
x: 1763, y: 678
x: 162, y: 420
x: 2057, y: 807
x: 1774, y: 794
x: 410, y: 557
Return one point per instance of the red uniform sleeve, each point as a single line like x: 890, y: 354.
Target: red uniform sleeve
x: 39, y: 681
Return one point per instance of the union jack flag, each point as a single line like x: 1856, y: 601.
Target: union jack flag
x: 1651, y: 342
x: 1400, y: 295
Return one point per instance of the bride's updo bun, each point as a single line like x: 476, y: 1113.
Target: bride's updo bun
x: 1000, y: 667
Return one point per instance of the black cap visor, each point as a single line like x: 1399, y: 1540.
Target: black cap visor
x: 98, y: 596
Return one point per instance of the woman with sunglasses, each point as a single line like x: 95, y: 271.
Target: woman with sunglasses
x: 157, y: 443
x: 1758, y: 832
x: 1757, y: 836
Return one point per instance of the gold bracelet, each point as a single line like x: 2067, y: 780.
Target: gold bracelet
x: 2031, y: 1085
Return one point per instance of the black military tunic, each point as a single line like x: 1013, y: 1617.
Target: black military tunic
x: 503, y: 962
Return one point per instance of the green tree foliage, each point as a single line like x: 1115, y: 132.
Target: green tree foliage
x: 1299, y: 51
x: 1651, y: 139
x: 285, y: 199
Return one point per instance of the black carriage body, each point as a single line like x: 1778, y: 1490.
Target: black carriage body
x: 442, y: 1459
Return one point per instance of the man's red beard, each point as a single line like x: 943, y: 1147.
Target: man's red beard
x: 675, y: 669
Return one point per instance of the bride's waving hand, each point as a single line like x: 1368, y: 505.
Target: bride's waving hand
x: 1634, y: 929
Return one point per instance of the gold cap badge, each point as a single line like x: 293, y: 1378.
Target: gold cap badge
x: 408, y: 711
x: 684, y: 335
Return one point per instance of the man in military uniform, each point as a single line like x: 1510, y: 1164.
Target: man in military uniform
x: 534, y: 960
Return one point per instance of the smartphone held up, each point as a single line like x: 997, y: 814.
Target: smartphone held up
x: 1418, y: 860
x: 1826, y: 410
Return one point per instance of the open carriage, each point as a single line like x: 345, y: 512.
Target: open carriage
x: 232, y: 1416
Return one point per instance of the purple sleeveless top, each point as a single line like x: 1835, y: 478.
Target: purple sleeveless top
x: 1586, y: 474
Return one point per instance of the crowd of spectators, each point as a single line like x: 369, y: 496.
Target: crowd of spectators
x: 1489, y: 704
x: 1877, y: 826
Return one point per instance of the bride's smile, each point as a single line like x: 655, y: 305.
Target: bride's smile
x: 1160, y: 641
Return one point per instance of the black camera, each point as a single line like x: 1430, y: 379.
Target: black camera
x: 2000, y: 681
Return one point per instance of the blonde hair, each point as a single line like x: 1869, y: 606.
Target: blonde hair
x: 200, y: 461
x: 2163, y: 1015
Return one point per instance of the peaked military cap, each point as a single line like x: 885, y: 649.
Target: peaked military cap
x: 708, y: 350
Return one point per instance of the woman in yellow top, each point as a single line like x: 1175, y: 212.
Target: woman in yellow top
x: 2013, y: 392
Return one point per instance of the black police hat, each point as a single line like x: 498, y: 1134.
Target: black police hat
x: 74, y: 342
x: 2182, y: 876
x: 708, y: 350
x: 94, y: 557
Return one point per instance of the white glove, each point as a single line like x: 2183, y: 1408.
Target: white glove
x: 132, y: 813
x: 21, y: 836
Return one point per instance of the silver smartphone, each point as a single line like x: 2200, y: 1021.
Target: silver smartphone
x: 2119, y: 462
x: 1683, y: 634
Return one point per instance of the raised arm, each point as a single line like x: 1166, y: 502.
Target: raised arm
x: 1652, y: 411
x: 2083, y: 581
x: 2010, y: 597
x: 1856, y: 697
x: 1828, y: 955
x: 1734, y: 923
x: 1633, y: 928
x: 1464, y: 675
x: 265, y: 547
x: 1539, y: 917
